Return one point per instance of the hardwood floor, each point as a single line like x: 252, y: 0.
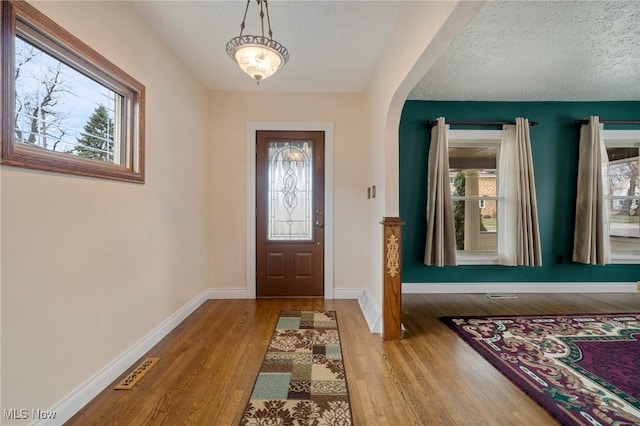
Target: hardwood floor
x: 208, y: 364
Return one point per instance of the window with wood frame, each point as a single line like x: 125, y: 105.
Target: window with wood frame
x: 66, y: 108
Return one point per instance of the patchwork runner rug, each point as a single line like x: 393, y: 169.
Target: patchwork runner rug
x: 302, y: 379
x: 584, y: 369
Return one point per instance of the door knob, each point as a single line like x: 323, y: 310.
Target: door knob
x: 319, y: 212
x: 319, y: 225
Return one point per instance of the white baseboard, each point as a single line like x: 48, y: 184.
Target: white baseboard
x: 371, y: 312
x: 521, y: 287
x: 77, y: 399
x: 347, y: 293
x: 226, y: 293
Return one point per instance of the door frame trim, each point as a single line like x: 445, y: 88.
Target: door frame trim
x: 327, y: 128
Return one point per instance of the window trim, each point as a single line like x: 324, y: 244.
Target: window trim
x: 622, y: 139
x: 458, y: 138
x: 73, y: 52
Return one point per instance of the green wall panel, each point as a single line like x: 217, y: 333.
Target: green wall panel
x: 555, y: 154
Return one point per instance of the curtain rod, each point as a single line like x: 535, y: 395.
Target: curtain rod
x: 432, y: 123
x: 586, y: 121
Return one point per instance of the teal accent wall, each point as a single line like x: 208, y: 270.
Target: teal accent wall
x: 554, y: 145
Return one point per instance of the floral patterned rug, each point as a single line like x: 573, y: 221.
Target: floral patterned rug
x: 302, y: 378
x: 584, y: 369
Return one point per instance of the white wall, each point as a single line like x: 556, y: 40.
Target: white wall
x: 422, y: 33
x: 229, y: 114
x: 91, y: 266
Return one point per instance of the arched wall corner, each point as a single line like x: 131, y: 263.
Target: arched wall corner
x: 328, y: 129
x: 423, y: 31
x: 463, y: 12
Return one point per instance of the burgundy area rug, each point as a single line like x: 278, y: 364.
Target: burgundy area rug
x: 584, y: 369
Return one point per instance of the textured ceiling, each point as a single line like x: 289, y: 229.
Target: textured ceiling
x: 543, y: 50
x: 511, y: 50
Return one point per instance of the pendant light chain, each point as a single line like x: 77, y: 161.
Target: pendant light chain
x: 266, y: 6
x: 244, y: 18
x: 261, y: 17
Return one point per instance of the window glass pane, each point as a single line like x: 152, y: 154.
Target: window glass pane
x: 624, y: 190
x: 62, y: 110
x: 290, y: 193
x: 473, y: 231
x: 474, y: 188
x: 624, y: 224
x: 489, y: 214
x: 480, y: 157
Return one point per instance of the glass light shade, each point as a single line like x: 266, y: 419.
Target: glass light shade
x: 258, y: 56
x: 258, y: 61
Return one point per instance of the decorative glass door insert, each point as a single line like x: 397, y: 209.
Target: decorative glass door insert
x: 290, y: 191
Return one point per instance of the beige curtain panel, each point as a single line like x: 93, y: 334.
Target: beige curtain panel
x: 518, y: 230
x: 440, y: 248
x: 591, y: 243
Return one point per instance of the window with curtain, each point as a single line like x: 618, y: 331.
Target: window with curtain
x: 623, y: 198
x: 481, y: 198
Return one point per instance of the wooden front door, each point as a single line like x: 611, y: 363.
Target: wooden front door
x: 290, y: 213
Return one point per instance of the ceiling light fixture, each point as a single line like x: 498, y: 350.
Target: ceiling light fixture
x: 257, y: 55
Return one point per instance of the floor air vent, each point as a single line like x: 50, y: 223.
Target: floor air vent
x: 502, y: 296
x: 137, y: 374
